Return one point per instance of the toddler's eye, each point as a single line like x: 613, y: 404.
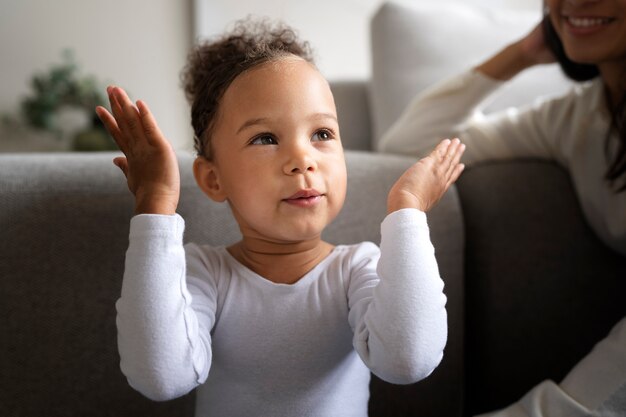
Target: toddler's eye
x: 264, y: 140
x: 322, y: 135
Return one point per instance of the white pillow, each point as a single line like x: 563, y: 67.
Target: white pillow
x: 419, y: 43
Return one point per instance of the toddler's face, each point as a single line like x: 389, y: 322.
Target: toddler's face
x: 277, y: 153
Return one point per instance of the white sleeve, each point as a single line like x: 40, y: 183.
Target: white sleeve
x: 163, y: 353
x: 400, y: 325
x: 453, y: 109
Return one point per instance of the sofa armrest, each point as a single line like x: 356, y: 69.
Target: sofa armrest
x: 541, y: 288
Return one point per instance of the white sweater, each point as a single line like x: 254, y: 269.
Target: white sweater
x: 193, y: 314
x: 570, y: 130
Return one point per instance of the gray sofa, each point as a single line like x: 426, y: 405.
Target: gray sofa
x: 530, y: 288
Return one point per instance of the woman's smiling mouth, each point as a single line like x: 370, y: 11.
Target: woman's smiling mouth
x: 583, y: 25
x: 581, y: 22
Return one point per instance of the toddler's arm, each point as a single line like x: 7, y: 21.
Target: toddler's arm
x: 400, y: 325
x: 396, y: 302
x: 164, y: 343
x: 164, y: 351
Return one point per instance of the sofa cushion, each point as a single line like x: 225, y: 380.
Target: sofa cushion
x: 419, y: 43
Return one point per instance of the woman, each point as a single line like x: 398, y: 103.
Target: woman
x: 584, y: 131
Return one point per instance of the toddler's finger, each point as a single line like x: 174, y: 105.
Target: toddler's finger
x: 456, y: 157
x: 118, y: 113
x: 442, y: 148
x: 453, y: 148
x: 131, y: 115
x: 458, y: 169
x: 111, y: 126
x: 444, y: 164
x: 150, y: 127
x: 122, y: 163
x: 453, y: 155
x: 460, y: 152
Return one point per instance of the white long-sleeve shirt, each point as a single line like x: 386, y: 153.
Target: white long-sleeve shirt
x: 570, y: 129
x: 193, y: 316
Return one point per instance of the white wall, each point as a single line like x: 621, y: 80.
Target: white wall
x: 138, y: 44
x: 337, y: 29
x: 142, y: 44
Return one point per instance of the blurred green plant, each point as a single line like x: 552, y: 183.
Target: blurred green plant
x: 64, y: 86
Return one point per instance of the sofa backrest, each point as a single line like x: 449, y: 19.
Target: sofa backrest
x: 416, y: 44
x: 353, y: 110
x: 64, y: 221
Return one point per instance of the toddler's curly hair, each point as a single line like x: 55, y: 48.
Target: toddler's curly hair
x: 213, y: 65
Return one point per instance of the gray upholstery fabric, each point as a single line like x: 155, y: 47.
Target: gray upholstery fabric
x: 64, y: 221
x: 530, y: 288
x: 541, y: 289
x: 353, y: 111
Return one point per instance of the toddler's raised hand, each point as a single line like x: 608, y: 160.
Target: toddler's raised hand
x: 149, y: 164
x: 424, y: 183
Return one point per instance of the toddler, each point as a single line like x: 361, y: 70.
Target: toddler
x: 280, y: 323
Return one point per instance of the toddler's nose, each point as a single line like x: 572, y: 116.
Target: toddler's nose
x: 300, y: 160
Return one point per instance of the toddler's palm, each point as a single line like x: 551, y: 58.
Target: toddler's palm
x: 150, y: 164
x: 425, y: 182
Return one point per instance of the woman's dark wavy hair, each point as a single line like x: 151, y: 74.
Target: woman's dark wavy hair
x: 213, y: 65
x: 616, y: 171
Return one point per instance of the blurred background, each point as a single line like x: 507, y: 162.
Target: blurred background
x: 67, y: 51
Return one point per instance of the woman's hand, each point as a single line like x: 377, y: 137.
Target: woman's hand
x: 425, y: 182
x: 535, y: 48
x: 528, y: 51
x: 149, y: 162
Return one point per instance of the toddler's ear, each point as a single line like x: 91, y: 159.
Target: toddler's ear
x: 207, y: 178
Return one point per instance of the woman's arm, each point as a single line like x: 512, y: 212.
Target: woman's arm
x: 453, y: 109
x: 529, y: 51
